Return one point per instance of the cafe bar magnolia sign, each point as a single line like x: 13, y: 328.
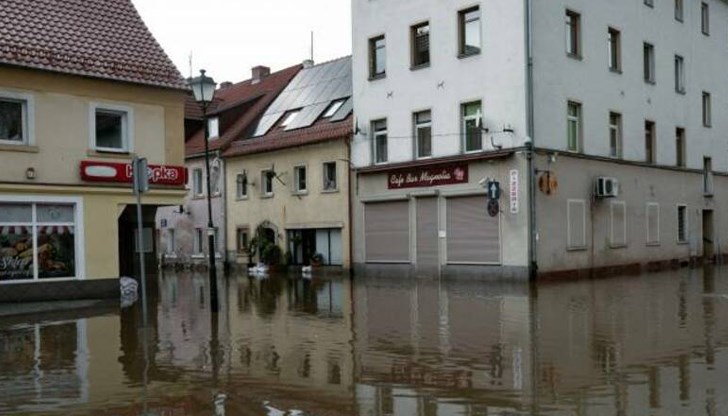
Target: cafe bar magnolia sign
x: 448, y: 174
x: 112, y: 172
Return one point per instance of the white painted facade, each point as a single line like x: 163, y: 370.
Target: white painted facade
x: 496, y: 76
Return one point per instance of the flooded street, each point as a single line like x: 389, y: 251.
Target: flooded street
x: 650, y: 345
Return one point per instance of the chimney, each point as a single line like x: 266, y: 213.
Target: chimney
x: 308, y: 63
x: 260, y: 72
x: 225, y: 84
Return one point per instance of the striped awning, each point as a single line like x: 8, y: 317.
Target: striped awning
x: 15, y: 230
x: 55, y: 229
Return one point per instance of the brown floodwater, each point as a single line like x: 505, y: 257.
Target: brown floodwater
x: 655, y: 344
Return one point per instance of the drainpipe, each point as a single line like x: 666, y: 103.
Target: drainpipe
x: 351, y: 216
x: 530, y: 146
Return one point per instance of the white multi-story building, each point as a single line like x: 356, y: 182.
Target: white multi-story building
x: 600, y: 122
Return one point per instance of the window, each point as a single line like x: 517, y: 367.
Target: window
x: 650, y: 145
x: 653, y: 223
x: 682, y: 224
x: 573, y: 127
x: 705, y: 18
x: 615, y: 44
x: 242, y: 185
x: 266, y: 180
x: 198, y: 242
x: 299, y: 184
x: 680, y: 147
x: 377, y: 57
x: 679, y: 10
x: 333, y: 108
x: 649, y: 62
x: 707, y: 176
x: 379, y: 131
x: 472, y: 120
x: 242, y: 240
x: 213, y: 128
x: 110, y: 130
x: 330, y: 182
x: 147, y: 237
x: 469, y: 28
x: 215, y: 179
x: 289, y: 117
x: 707, y: 119
x: 16, y: 124
x: 420, y: 38
x: 197, y: 189
x: 618, y: 224
x: 573, y: 34
x: 576, y: 224
x: 679, y: 74
x: 423, y: 134
x: 171, y: 243
x: 38, y: 241
x: 615, y: 135
x: 649, y: 3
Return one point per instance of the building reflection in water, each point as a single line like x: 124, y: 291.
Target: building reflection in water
x: 653, y: 344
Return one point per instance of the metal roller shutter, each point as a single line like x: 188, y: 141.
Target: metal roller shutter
x: 473, y: 237
x: 386, y: 232
x: 427, y: 242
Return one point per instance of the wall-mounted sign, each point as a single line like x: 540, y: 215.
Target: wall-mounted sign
x: 493, y: 188
x: 427, y: 176
x: 513, y: 191
x: 112, y: 172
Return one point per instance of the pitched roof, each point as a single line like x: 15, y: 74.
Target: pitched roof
x: 256, y: 96
x: 95, y: 38
x: 310, y: 94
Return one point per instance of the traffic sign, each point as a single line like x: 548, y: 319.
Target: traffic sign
x: 493, y: 207
x: 493, y: 190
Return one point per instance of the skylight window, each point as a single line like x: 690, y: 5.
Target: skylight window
x: 333, y: 108
x: 289, y: 117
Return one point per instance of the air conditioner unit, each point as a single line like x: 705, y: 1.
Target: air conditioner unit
x: 605, y: 187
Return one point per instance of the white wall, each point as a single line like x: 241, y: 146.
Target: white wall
x: 496, y: 76
x: 559, y: 78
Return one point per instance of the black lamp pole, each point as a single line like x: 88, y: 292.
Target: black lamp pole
x: 214, y: 304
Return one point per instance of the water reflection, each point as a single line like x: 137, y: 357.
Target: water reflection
x: 373, y: 346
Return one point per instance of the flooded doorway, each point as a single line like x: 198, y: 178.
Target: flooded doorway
x: 708, y: 237
x: 128, y: 250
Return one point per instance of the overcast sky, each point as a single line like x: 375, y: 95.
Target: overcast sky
x: 228, y: 37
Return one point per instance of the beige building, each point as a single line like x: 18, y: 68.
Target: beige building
x: 288, y: 184
x: 71, y: 120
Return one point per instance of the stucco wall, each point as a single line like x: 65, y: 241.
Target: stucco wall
x: 559, y: 78
x: 62, y: 111
x: 496, y: 76
x: 638, y: 186
x: 514, y: 227
x: 317, y: 209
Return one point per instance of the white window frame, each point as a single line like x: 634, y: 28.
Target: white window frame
x: 685, y: 240
x: 80, y: 244
x: 617, y: 128
x: 198, y: 241
x: 324, y: 176
x: 127, y: 127
x: 478, y: 117
x: 573, y: 33
x: 706, y: 109
x: 705, y: 18
x: 574, y: 119
x: 570, y: 246
x: 213, y: 128
x: 649, y: 242
x: 375, y: 135
x: 239, y: 194
x: 708, y: 182
x: 416, y: 135
x: 650, y: 73
x: 296, y: 183
x: 679, y: 64
x: 679, y: 10
x: 28, y: 113
x: 614, y: 42
x: 201, y: 183
x: 171, y: 241
x: 266, y: 193
x: 612, y: 239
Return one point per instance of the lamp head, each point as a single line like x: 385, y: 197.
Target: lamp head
x: 203, y: 88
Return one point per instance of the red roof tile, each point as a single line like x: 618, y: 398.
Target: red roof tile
x: 257, y: 96
x: 321, y: 131
x: 95, y: 38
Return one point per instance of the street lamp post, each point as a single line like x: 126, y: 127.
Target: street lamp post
x: 203, y: 88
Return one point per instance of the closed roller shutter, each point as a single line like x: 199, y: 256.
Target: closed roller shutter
x: 427, y: 247
x: 472, y: 235
x: 386, y: 231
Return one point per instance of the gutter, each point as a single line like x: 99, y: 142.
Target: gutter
x: 350, y: 214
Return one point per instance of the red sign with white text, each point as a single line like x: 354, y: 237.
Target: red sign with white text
x: 112, y: 172
x: 426, y: 176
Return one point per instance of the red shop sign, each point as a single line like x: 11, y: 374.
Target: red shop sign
x: 426, y: 176
x: 92, y: 171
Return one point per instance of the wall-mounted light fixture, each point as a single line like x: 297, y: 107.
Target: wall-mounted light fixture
x: 30, y: 173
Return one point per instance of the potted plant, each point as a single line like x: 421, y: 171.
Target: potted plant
x: 317, y: 260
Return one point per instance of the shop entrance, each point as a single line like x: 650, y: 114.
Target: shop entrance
x: 323, y: 243
x: 128, y: 251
